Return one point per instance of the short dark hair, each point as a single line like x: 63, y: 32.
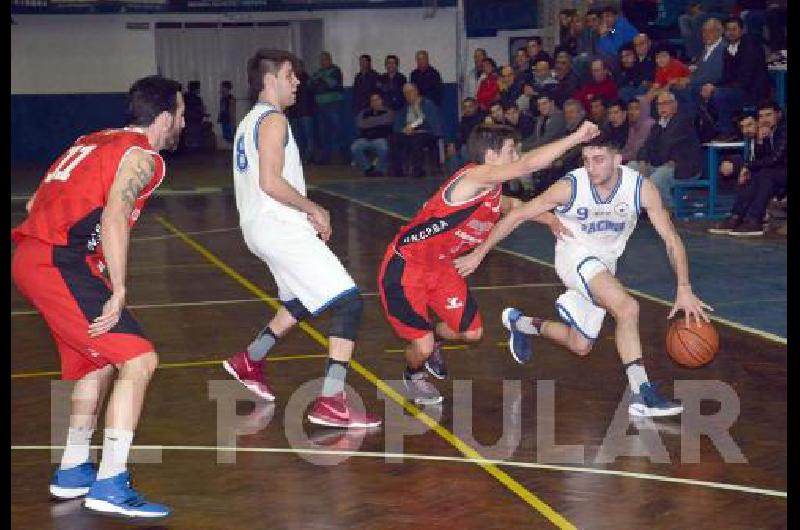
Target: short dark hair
x: 610, y: 9
x: 485, y: 137
x: 194, y: 85
x: 508, y: 106
x: 366, y: 56
x: 392, y: 56
x: 602, y: 140
x: 616, y: 103
x: 149, y: 97
x: 736, y: 20
x: 495, y: 104
x: 266, y: 61
x: 664, y: 47
x: 627, y: 47
x: 769, y: 104
x: 601, y: 99
x: 744, y: 116
x: 537, y: 39
x: 375, y: 93
x: 545, y: 95
x: 594, y: 11
x: 227, y: 84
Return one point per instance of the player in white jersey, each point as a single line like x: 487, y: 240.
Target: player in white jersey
x: 288, y: 232
x: 599, y: 204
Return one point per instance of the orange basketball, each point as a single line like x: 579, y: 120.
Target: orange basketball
x: 692, y: 345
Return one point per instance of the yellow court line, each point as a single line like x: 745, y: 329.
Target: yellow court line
x: 190, y: 364
x: 445, y: 347
x: 735, y: 325
x: 554, y: 517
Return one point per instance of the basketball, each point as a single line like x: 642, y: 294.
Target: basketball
x: 692, y: 345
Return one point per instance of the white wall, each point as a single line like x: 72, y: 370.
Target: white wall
x: 56, y: 54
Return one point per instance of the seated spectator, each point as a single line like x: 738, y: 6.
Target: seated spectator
x: 508, y: 90
x: 762, y: 176
x: 427, y: 79
x: 601, y: 85
x: 526, y: 102
x: 671, y: 151
x: 374, y: 131
x: 690, y: 24
x: 568, y: 38
x: 496, y: 114
x: 567, y: 81
x: 584, y: 29
x: 598, y: 112
x: 614, y: 32
x: 543, y: 80
x: 488, y: 87
x: 639, y: 124
x: 732, y: 165
x: 471, y: 115
x: 391, y: 84
x: 617, y: 124
x: 549, y: 125
x: 707, y: 66
x: 776, y: 29
x: 364, y: 84
x: 644, y: 55
x: 744, y: 82
x: 572, y: 159
x: 670, y: 71
x: 416, y: 126
x: 536, y: 52
x: 630, y: 80
x: 522, y: 122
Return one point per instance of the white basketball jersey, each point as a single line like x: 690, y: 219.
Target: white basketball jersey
x: 597, y: 225
x: 251, y: 201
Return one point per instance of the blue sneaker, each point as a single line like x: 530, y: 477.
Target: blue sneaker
x: 435, y: 364
x: 649, y: 403
x: 116, y: 495
x: 518, y: 342
x: 73, y: 482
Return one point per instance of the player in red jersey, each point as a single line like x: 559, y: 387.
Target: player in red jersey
x: 417, y: 272
x: 70, y: 262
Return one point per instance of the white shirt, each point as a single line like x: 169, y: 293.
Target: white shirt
x: 733, y: 48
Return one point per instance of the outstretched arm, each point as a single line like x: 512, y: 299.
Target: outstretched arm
x: 558, y: 193
x: 548, y: 219
x: 685, y: 299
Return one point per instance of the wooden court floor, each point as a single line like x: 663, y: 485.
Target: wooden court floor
x: 201, y: 295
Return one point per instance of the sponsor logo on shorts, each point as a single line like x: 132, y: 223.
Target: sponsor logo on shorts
x: 454, y: 303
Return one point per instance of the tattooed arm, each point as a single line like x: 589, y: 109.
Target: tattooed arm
x: 135, y: 171
x: 685, y: 299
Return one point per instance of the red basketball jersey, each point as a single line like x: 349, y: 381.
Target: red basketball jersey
x: 70, y: 200
x: 443, y: 230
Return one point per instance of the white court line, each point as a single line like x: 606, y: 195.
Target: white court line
x: 741, y: 327
x: 172, y: 236
x: 436, y: 458
x: 248, y: 300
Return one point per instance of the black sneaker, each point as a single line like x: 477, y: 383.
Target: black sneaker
x: 435, y: 364
x: 420, y: 390
x: 749, y: 227
x: 727, y: 225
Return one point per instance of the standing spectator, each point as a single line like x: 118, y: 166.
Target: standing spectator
x: 690, y: 24
x: 601, y: 85
x: 391, y: 84
x: 614, y: 31
x: 630, y: 80
x: 567, y: 81
x: 374, y: 130
x: 365, y: 83
x: 536, y: 53
x: 301, y: 114
x: 745, y: 80
x: 521, y: 122
x: 195, y: 113
x: 549, y: 125
x: 416, y: 126
x: 763, y: 176
x: 475, y: 73
x: 670, y: 71
x: 617, y: 124
x: 776, y: 26
x: 227, y: 111
x: 598, y: 112
x: 585, y: 40
x: 427, y: 79
x: 522, y: 64
x: 639, y: 124
x: 568, y: 39
x: 644, y: 55
x: 329, y: 96
x: 671, y: 151
x: 488, y: 88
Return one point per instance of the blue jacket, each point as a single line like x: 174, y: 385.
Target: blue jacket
x: 431, y: 124
x: 622, y: 33
x: 709, y: 71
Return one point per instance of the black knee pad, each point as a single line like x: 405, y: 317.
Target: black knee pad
x: 297, y: 309
x: 346, y: 316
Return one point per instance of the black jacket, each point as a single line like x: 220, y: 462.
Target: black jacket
x: 392, y: 89
x: 677, y: 143
x: 746, y: 70
x: 466, y: 125
x: 429, y: 84
x: 772, y: 152
x: 363, y: 86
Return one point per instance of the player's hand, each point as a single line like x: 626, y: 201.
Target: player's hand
x: 466, y: 264
x: 586, y: 131
x: 321, y: 221
x: 707, y: 90
x: 559, y: 229
x: 692, y: 307
x: 744, y: 176
x: 112, y: 310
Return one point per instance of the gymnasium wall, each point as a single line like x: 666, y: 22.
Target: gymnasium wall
x: 69, y: 73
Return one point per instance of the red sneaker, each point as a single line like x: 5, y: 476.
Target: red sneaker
x: 250, y: 374
x: 335, y: 412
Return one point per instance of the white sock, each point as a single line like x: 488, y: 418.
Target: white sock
x: 77, y: 450
x: 530, y: 325
x: 116, y: 445
x: 636, y: 375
